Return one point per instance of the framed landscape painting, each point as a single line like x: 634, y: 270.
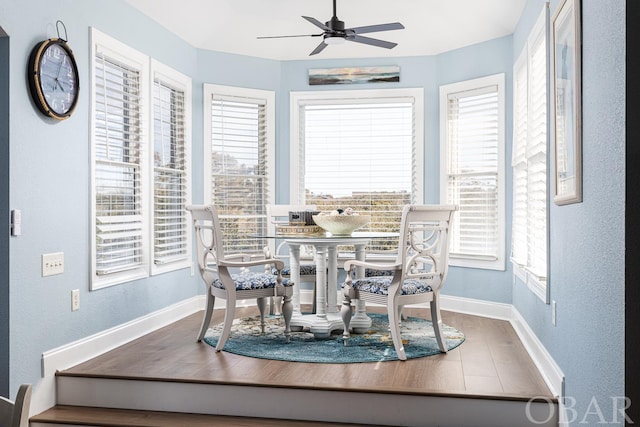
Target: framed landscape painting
x: 567, y: 102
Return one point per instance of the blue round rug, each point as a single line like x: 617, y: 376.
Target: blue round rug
x: 374, y: 346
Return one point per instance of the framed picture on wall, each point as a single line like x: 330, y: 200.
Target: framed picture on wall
x: 567, y: 102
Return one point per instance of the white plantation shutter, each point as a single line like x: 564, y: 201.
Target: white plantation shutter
x: 529, y: 237
x: 472, y: 170
x: 359, y: 154
x: 537, y: 157
x: 239, y: 166
x: 519, y: 163
x: 118, y: 152
x: 171, y: 176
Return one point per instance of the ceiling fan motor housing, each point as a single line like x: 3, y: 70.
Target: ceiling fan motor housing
x: 335, y: 24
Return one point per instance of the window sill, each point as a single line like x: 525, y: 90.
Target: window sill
x: 105, y: 281
x: 535, y: 285
x: 488, y: 263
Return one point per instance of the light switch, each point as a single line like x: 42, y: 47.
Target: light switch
x: 16, y: 222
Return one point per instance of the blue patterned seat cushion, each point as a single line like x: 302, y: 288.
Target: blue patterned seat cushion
x: 305, y: 270
x: 251, y: 280
x: 380, y: 285
x: 370, y: 272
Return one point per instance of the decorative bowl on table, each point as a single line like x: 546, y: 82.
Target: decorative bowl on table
x: 341, y: 225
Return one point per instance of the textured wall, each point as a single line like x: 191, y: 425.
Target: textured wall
x: 587, y: 239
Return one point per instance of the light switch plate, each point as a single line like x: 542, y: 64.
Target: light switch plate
x: 75, y: 299
x: 52, y: 263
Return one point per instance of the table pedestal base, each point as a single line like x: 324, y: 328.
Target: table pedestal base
x: 321, y: 327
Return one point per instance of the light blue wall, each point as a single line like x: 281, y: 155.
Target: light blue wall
x: 49, y: 176
x: 587, y: 240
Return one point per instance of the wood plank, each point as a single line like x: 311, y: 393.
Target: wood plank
x: 130, y: 418
x: 491, y: 356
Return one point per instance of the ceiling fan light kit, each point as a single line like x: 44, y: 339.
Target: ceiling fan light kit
x: 334, y: 32
x: 333, y: 40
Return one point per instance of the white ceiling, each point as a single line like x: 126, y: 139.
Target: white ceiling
x: 431, y: 26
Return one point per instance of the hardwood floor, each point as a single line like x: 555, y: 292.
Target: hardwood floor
x: 491, y: 363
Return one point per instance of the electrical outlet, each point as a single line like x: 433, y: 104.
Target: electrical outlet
x: 553, y: 313
x: 52, y: 264
x: 75, y: 299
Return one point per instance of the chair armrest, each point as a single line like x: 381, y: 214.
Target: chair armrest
x: 244, y: 257
x: 263, y: 261
x: 371, y: 265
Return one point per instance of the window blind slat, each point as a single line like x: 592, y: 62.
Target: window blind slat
x: 359, y: 155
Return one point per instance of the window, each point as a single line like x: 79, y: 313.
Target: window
x: 472, y: 169
x: 529, y: 162
x: 239, y: 156
x: 358, y: 149
x: 123, y: 206
x: 171, y: 168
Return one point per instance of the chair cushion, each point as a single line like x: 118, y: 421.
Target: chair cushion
x: 370, y: 272
x: 251, y: 280
x: 380, y: 285
x: 305, y: 270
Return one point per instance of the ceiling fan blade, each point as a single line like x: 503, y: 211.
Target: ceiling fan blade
x: 319, y: 48
x: 317, y: 23
x: 299, y: 35
x: 372, y: 42
x: 376, y: 28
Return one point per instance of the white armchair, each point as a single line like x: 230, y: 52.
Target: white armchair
x: 215, y: 270
x: 419, y: 272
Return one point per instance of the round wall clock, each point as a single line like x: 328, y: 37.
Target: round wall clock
x: 53, y: 78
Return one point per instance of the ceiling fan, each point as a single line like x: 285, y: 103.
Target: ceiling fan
x: 334, y: 32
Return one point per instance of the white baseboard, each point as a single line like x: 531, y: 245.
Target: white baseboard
x: 550, y: 371
x: 43, y: 395
x: 71, y: 354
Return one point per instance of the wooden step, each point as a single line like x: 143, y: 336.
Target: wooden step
x: 106, y: 417
x: 489, y: 380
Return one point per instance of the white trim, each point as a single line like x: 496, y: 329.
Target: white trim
x: 492, y: 310
x: 533, y: 283
x: 114, y: 49
x: 364, y: 408
x: 550, y: 371
x: 497, y: 80
x: 71, y: 354
x: 239, y: 92
x: 296, y: 99
x: 182, y: 83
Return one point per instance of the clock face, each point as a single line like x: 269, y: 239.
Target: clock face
x: 54, y: 82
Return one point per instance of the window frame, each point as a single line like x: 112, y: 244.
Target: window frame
x: 297, y: 99
x: 498, y: 80
x: 180, y: 82
x: 116, y: 50
x: 537, y: 285
x: 146, y: 67
x: 268, y: 97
